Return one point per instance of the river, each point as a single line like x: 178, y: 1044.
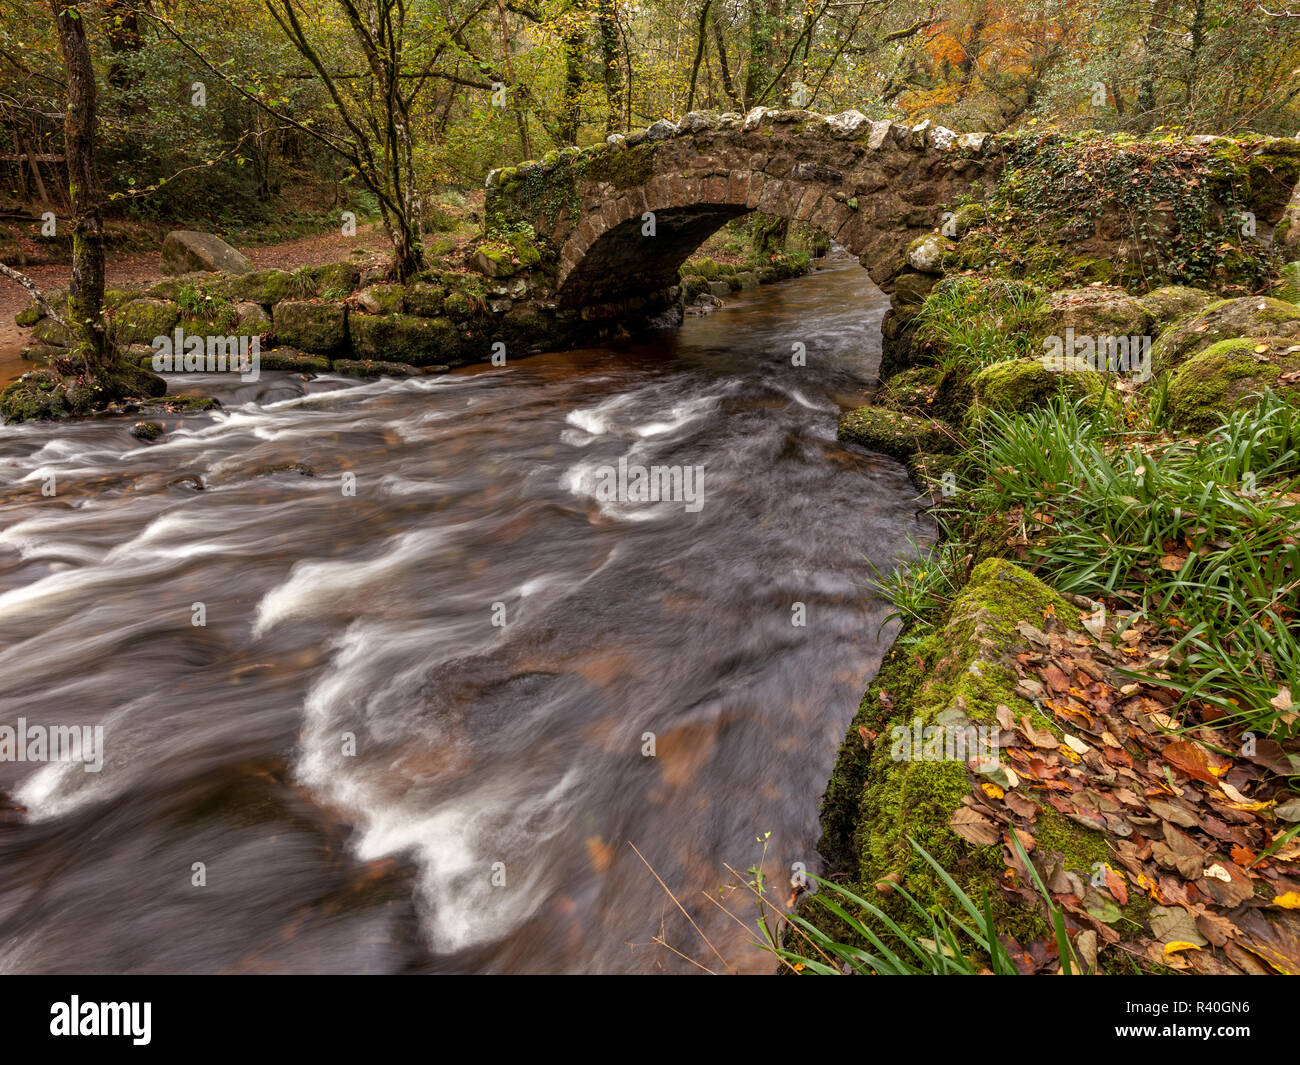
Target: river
x: 442, y: 686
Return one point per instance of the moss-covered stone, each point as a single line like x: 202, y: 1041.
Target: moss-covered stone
x: 911, y: 288
x: 895, y: 433
x: 382, y: 299
x: 287, y: 359
x: 1023, y: 384
x: 495, y: 260
x: 373, y: 368
x: 424, y: 299
x: 266, y: 287
x: 252, y: 319
x: 1249, y: 316
x: 48, y: 331
x: 404, y: 338
x: 956, y: 673
x: 43, y: 394
x: 29, y: 315
x: 335, y: 281
x: 1096, y: 312
x: 912, y: 391
x: 140, y: 321
x: 318, y: 328
x: 1214, y: 382
x: 1173, y: 301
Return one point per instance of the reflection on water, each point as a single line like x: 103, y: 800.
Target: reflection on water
x: 409, y: 735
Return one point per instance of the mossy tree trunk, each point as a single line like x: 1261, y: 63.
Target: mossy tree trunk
x: 86, y: 289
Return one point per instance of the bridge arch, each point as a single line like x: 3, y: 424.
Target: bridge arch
x: 872, y: 186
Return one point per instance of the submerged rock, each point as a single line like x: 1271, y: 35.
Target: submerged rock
x: 147, y: 430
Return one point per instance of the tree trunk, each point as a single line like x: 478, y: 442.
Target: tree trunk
x: 607, y: 32
x: 574, y: 41
x: 86, y: 289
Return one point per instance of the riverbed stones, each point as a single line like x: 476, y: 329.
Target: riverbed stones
x: 184, y: 250
x: 376, y: 368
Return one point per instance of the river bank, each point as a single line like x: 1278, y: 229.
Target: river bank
x: 1114, y: 598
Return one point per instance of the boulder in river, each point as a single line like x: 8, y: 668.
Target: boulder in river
x: 185, y: 250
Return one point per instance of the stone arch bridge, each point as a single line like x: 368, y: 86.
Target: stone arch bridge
x: 873, y: 186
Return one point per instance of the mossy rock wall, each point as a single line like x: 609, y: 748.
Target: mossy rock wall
x: 955, y: 674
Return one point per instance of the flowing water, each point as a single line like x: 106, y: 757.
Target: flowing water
x: 433, y: 705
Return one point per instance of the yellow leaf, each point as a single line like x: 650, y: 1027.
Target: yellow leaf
x: 1177, y: 945
x: 1289, y: 900
x: 992, y: 790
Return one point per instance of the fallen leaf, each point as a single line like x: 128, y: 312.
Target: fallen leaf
x: 1190, y: 760
x: 973, y: 827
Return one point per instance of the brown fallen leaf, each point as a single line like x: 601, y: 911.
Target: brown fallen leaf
x: 1189, y: 759
x: 973, y: 827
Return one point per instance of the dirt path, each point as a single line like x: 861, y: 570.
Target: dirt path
x: 141, y: 268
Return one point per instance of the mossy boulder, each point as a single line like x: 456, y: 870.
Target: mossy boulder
x: 372, y: 368
x: 48, y: 331
x: 912, y: 391
x: 43, y: 394
x: 291, y: 361
x: 1173, y: 301
x: 1214, y: 382
x: 1289, y: 288
x: 424, y: 299
x: 335, y: 281
x: 140, y: 321
x: 895, y: 433
x: 252, y: 319
x: 404, y: 338
x: 29, y: 315
x: 318, y: 328
x: 953, y: 674
x: 911, y: 288
x: 266, y: 287
x: 1095, y: 312
x: 1022, y: 384
x: 185, y: 250
x: 1248, y: 316
x: 495, y: 260
x: 382, y: 299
